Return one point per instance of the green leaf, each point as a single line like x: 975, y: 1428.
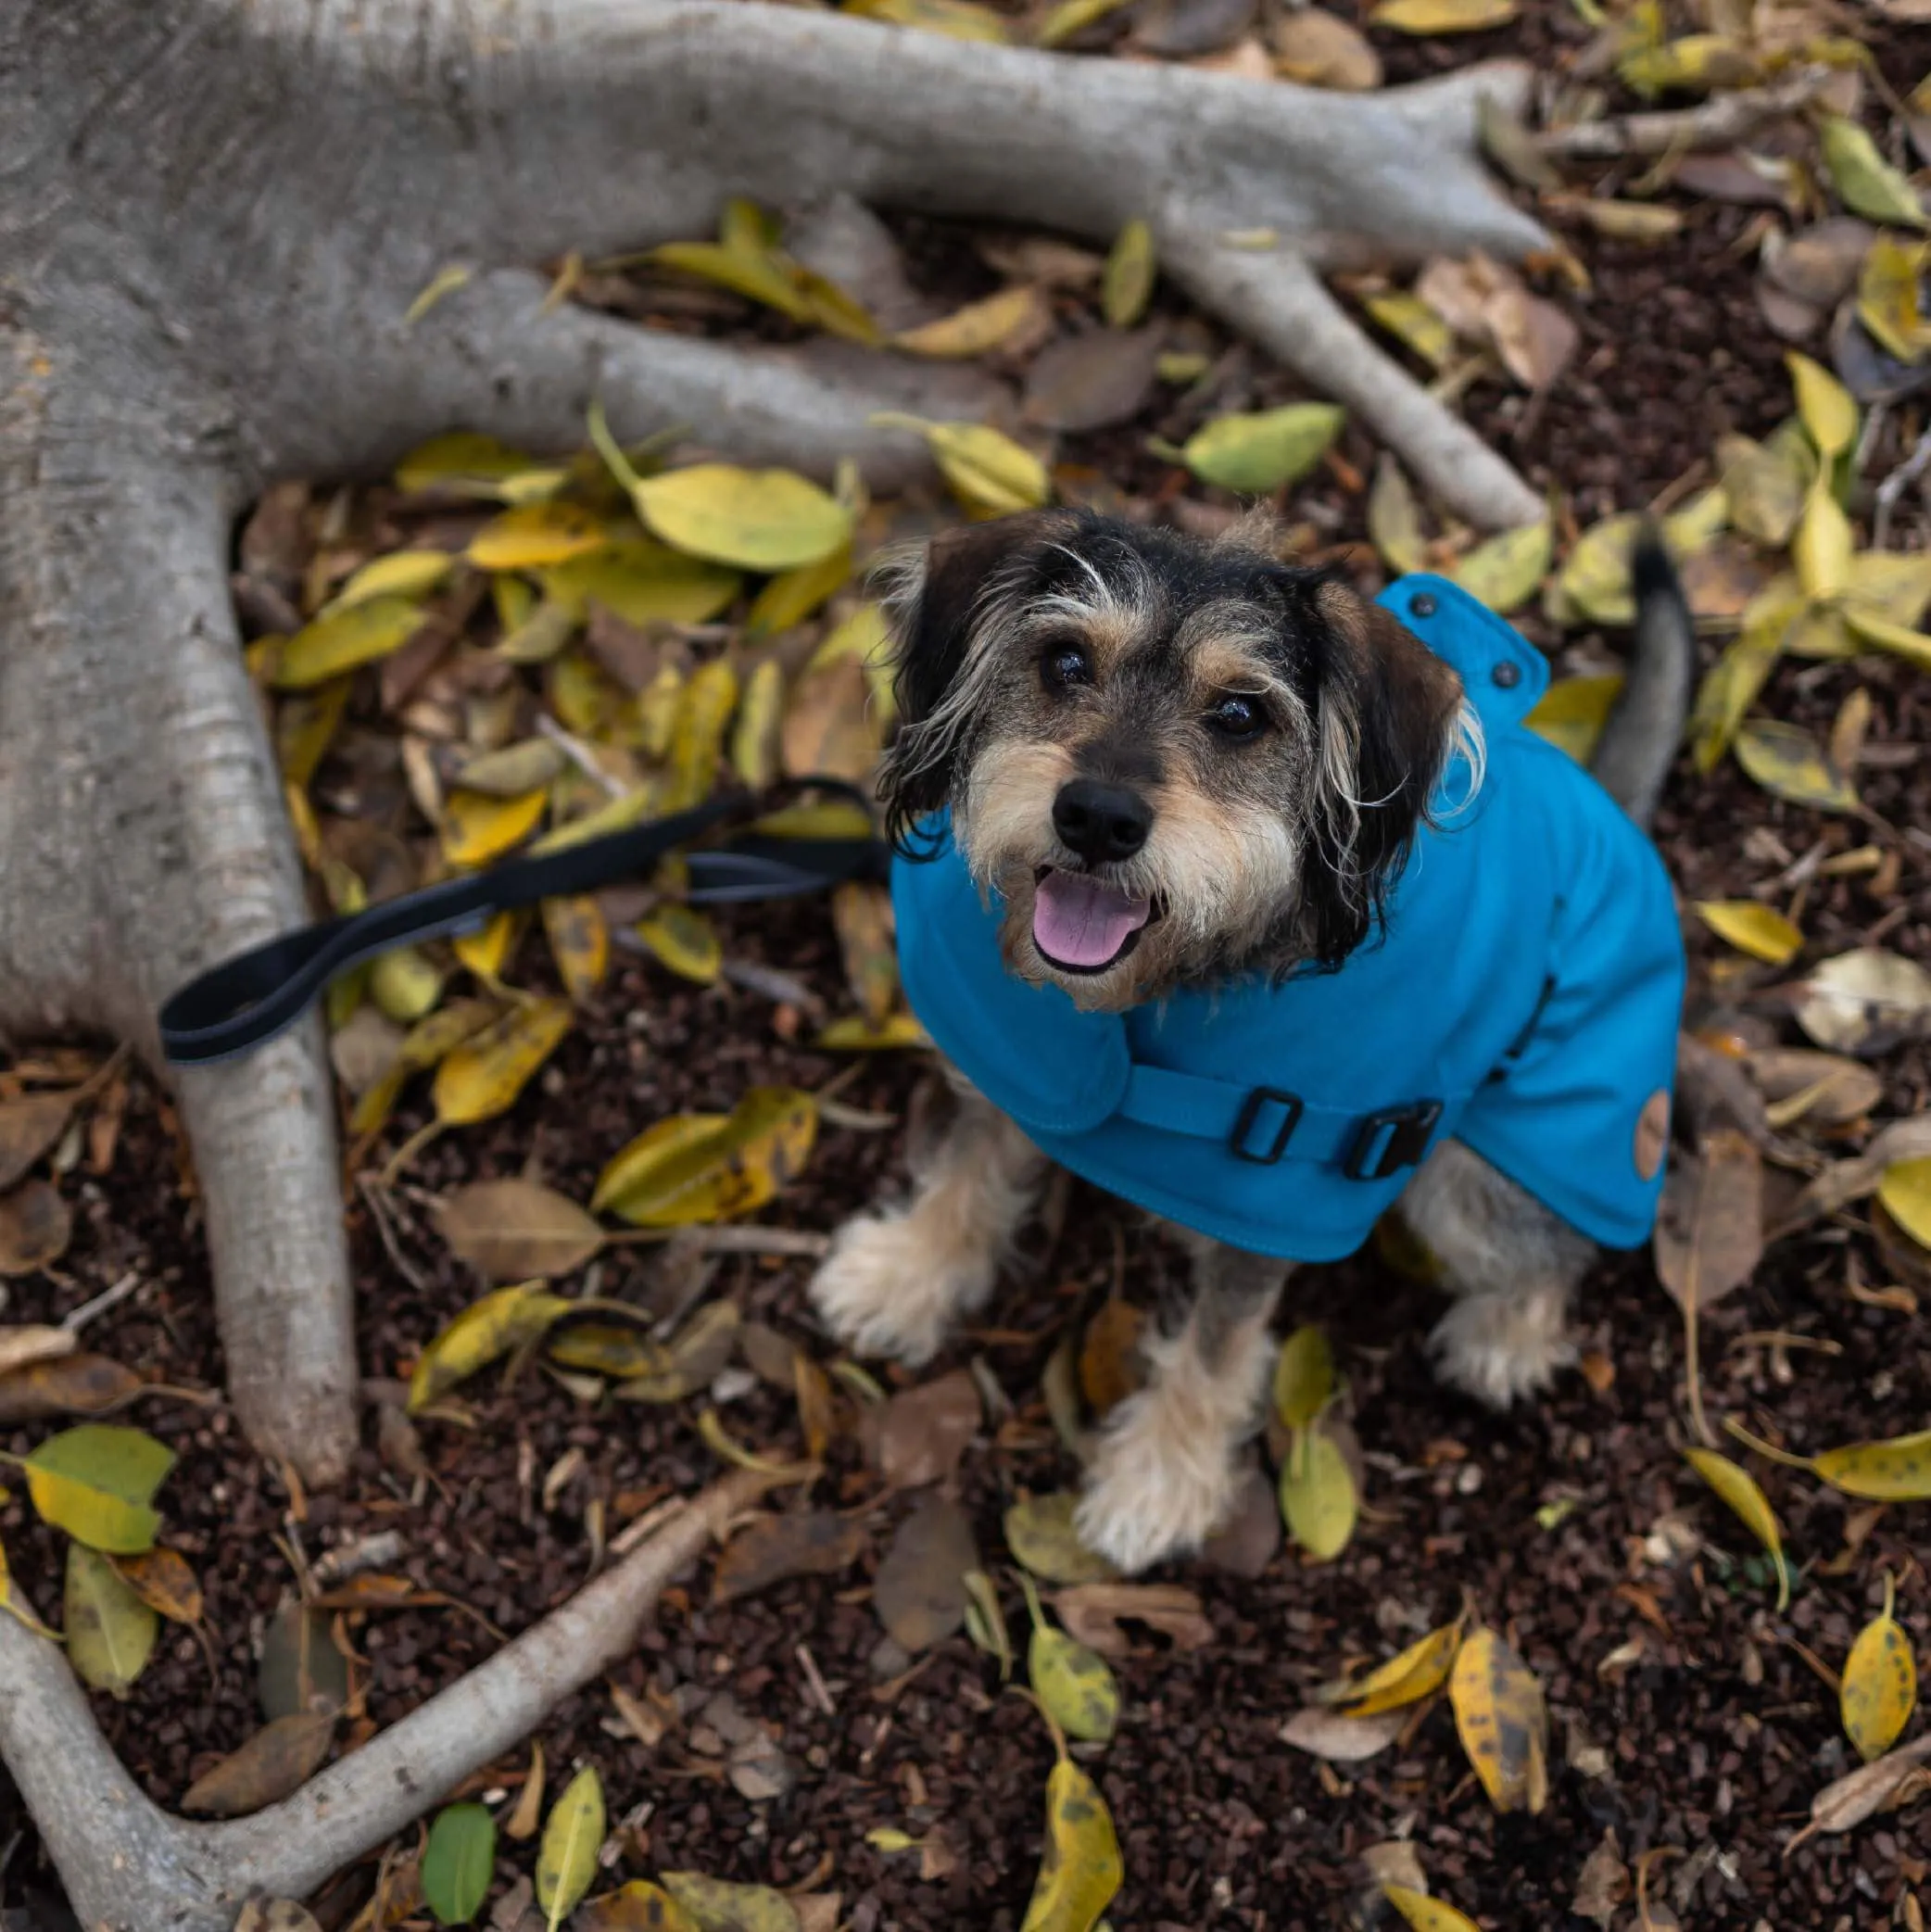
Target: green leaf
x: 1257, y: 454
x: 458, y: 1863
x: 1865, y: 182
x: 111, y: 1633
x: 765, y: 520
x: 1304, y: 1377
x: 95, y: 1482
x: 1505, y: 571
x: 1318, y: 1494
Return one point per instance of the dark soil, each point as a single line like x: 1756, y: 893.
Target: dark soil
x: 1657, y: 1648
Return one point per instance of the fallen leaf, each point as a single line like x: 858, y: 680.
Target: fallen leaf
x: 513, y: 1230
x: 534, y: 534
x: 37, y: 1342
x: 693, y: 1360
x: 1906, y: 1194
x: 1257, y: 454
x: 1766, y: 484
x: 29, y: 1128
x: 1500, y: 1718
x: 920, y: 1434
x: 302, y: 1669
x: 481, y: 1076
x: 1304, y: 1377
x: 1865, y: 182
x: 524, y: 1820
x: 1573, y: 712
x: 1506, y: 571
x: 1394, y: 515
x: 637, y: 1907
x: 1895, y: 1469
x: 344, y: 640
x: 1738, y: 1488
x: 35, y: 1227
x: 1696, y: 63
x: 1823, y: 545
x: 1759, y: 930
x: 640, y: 583
x: 1072, y: 17
x: 486, y: 1330
x: 79, y: 1385
x: 1880, y: 1685
x: 566, y: 1861
x: 96, y: 1482
x: 1039, y: 1532
x: 111, y: 1633
x: 614, y: 1348
x: 163, y: 1580
x: 1071, y: 1681
x: 1870, y: 994
x: 1318, y: 1500
x: 579, y: 942
x: 1094, y: 381
x: 1710, y: 1227
x: 1413, y: 323
x: 700, y: 1168
x: 778, y: 1547
x: 1427, y: 16
x: 979, y: 327
x: 714, y: 1906
x: 754, y: 736
x: 762, y: 520
x: 277, y: 1761
x: 985, y: 1621
x: 1321, y: 49
x: 1081, y: 1869
x: 920, y: 1592
x: 1127, y: 282
x: 684, y: 941
x: 1341, y: 1740
x: 458, y: 1861
x: 1825, y: 1089
x: 1789, y: 763
x: 1093, y: 1613
x: 1603, y: 1884
x: 705, y: 707
x: 1887, y: 296
x: 466, y: 464
x: 860, y: 913
x: 1110, y: 1367
x: 990, y: 475
x: 1823, y: 406
x: 1419, y: 1671
x: 830, y: 728
x: 1848, y: 1800
x: 1426, y: 1914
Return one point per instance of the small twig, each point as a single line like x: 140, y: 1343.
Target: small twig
x: 1894, y: 486
x: 821, y: 1692
x: 579, y: 755
x: 78, y: 1318
x: 1719, y: 122
x: 729, y: 1240
x: 373, y: 1192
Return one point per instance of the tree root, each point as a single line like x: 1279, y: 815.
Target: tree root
x: 1721, y: 122
x: 130, y: 1867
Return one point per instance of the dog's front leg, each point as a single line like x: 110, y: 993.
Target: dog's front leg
x: 896, y: 1282
x: 1165, y: 1473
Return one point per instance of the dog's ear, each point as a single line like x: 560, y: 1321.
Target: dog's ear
x: 934, y: 599
x: 1387, y: 714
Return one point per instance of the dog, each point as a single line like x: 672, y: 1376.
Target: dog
x: 1258, y: 905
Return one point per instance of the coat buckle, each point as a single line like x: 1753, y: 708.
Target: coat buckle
x: 1407, y: 1126
x: 1290, y: 1118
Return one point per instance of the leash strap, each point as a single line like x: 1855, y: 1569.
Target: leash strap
x: 246, y: 1001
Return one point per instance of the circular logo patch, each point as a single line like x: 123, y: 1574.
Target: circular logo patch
x: 1652, y: 1134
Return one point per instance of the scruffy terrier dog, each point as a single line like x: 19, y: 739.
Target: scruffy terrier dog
x: 1239, y: 895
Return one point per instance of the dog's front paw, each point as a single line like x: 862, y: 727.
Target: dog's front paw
x: 1500, y: 1346
x: 1156, y: 1489
x: 885, y: 1290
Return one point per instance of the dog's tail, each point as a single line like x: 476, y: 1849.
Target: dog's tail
x: 1639, y: 741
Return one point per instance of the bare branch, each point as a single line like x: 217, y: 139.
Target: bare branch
x: 1721, y: 122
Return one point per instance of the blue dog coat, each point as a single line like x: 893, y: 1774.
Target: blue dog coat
x: 1525, y: 998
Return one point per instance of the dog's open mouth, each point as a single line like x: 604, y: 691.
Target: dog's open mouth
x: 1082, y: 923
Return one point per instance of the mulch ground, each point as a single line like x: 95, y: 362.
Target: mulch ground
x: 1682, y: 1714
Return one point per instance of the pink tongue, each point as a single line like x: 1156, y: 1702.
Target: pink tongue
x: 1082, y: 922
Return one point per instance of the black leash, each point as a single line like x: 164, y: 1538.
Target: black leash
x: 244, y: 1001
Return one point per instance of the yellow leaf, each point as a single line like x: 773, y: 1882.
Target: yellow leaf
x: 306, y: 726
x: 861, y: 914
x: 1082, y: 1868
x: 1738, y: 1489
x: 487, y: 952
x: 758, y: 271
x: 1766, y: 484
x: 584, y: 696
x: 1865, y: 182
x: 1071, y: 17
x: 978, y: 328
x: 14, y: 1605
x: 1257, y: 454
x: 1412, y: 322
x: 1394, y: 518
x: 466, y: 464
x: 754, y: 740
x: 1789, y: 763
x: 1071, y: 1681
x: 91, y: 1515
x: 1697, y: 62
x: 1885, y: 635
x: 642, y: 582
x: 612, y: 816
x: 537, y: 534
x: 1632, y: 220
x: 1127, y: 285
x: 1699, y: 521
x: 411, y: 574
x: 1304, y: 1377
x: 791, y: 596
x: 855, y: 1034
x: 704, y: 708
x: 344, y: 640
x: 1890, y: 584
x: 163, y: 1580
x: 1824, y: 404
x: 483, y: 1076
x: 714, y: 1906
x: 1572, y: 712
x: 1594, y: 579
x: 1905, y: 1192
x: 501, y: 1322
x: 1426, y: 1914
x: 1502, y: 1723
x: 958, y: 19
x: 990, y: 475
x: 1759, y: 930
x: 1740, y: 673
x: 566, y: 1862
x: 1318, y: 1494
x: 764, y: 520
x: 1823, y: 548
x: 1039, y: 1532
x: 97, y: 1482
x: 1442, y: 15
x: 1880, y: 1685
x: 1887, y: 296
x: 1418, y: 1672
x: 111, y: 1633
x: 1505, y: 571
x: 640, y: 1907
x: 704, y: 1346
x: 579, y: 942
x: 686, y: 941
x: 696, y: 1168
x: 1896, y: 1469
x: 477, y: 827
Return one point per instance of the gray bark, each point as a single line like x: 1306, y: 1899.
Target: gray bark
x: 214, y: 215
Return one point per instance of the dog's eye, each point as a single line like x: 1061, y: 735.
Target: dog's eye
x: 1066, y: 666
x: 1234, y: 716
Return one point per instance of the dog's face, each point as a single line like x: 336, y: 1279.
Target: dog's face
x: 1174, y: 762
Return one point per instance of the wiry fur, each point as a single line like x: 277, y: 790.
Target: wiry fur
x: 1262, y: 854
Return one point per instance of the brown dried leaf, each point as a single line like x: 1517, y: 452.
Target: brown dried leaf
x: 1846, y: 1803
x: 278, y: 1760
x: 29, y: 1128
x: 827, y: 728
x: 1603, y: 1884
x: 22, y: 1347
x: 920, y: 1434
x: 920, y: 1593
x: 1093, y: 381
x: 512, y: 1231
x: 1321, y: 49
x: 164, y: 1582
x: 1341, y: 1740
x: 72, y: 1385
x: 1110, y: 1367
x: 1710, y: 1230
x: 818, y: 1543
x: 1092, y: 1613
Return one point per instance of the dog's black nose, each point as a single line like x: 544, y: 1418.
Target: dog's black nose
x: 1101, y: 822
